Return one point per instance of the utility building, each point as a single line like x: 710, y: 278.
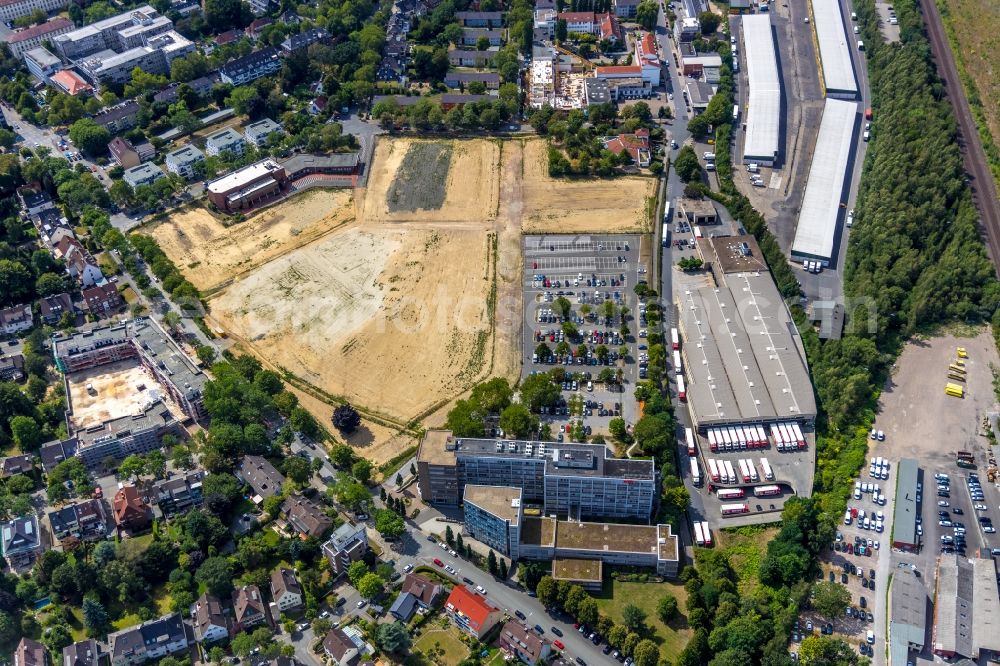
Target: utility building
x: 763, y: 112
x: 834, y: 50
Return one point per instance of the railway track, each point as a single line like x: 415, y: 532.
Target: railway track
x: 984, y: 192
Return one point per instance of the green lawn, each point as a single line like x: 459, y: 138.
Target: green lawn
x: 448, y: 649
x: 671, y: 638
x: 746, y: 547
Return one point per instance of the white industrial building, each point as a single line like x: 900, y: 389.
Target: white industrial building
x: 820, y: 210
x: 834, y: 50
x: 763, y: 112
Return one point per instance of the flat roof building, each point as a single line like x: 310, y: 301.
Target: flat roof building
x: 493, y: 516
x: 834, y: 50
x: 908, y: 615
x: 183, y: 160
x: 259, y: 132
x: 743, y: 358
x: 248, y: 186
x: 904, y: 522
x: 588, y: 574
x: 966, y: 609
x: 227, y: 139
x: 819, y: 215
x: 577, y: 480
x: 144, y: 174
x: 763, y: 112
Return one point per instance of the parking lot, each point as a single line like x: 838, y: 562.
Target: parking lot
x: 579, y: 293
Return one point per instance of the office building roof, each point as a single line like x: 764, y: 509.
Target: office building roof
x: 501, y: 501
x: 743, y: 356
x: 820, y: 210
x: 43, y: 57
x: 834, y: 48
x: 763, y: 112
x: 243, y: 177
x: 904, y: 522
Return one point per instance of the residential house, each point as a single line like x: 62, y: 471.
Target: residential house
x: 318, y: 106
x: 52, y: 308
x: 149, y: 640
x: 471, y: 36
x: 260, y: 132
x: 479, y: 19
x: 210, y: 622
x: 251, y: 67
x: 249, y: 608
x: 636, y: 145
x: 179, y: 492
x: 227, y: 140
x: 12, y: 465
x: 103, y: 300
x: 34, y: 201
x: 15, y: 319
x: 472, y: 58
x: 285, y: 589
x: 346, y: 545
x: 417, y: 592
x: 403, y: 607
x: 609, y: 28
x: 20, y: 542
x: 85, y: 521
x: 259, y: 7
x: 261, y: 476
x: 11, y: 367
x: 24, y: 40
x: 228, y: 37
x: 470, y: 612
x: 341, y: 649
x: 516, y: 640
x: 305, y: 517
x: 303, y: 40
x: 183, y: 161
x: 30, y: 653
x: 83, y: 653
x: 253, y: 30
x: 454, y: 79
x: 79, y: 264
x: 626, y: 8
x: 131, y: 513
x: 144, y: 174
x: 54, y: 452
x: 127, y: 156
x: 119, y: 118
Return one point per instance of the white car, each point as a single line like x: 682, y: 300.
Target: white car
x: 943, y: 503
x: 408, y: 568
x: 480, y: 589
x: 981, y: 507
x: 989, y: 529
x: 876, y: 546
x: 361, y: 604
x: 850, y: 218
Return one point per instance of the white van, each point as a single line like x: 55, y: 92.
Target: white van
x: 847, y: 517
x: 590, y: 386
x: 753, y: 168
x: 861, y: 45
x: 709, y: 156
x: 854, y: 16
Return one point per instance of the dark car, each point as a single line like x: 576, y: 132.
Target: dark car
x: 580, y: 661
x: 520, y: 615
x: 341, y: 601
x: 557, y: 631
x: 833, y: 577
x: 863, y: 602
x: 843, y: 578
x: 871, y: 574
x: 958, y: 510
x: 539, y: 629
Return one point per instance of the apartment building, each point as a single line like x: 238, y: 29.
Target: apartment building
x: 179, y: 493
x: 103, y: 300
x: 305, y: 517
x: 492, y: 516
x: 127, y: 155
x: 249, y: 608
x: 574, y: 480
x: 285, y: 589
x: 251, y: 67
x: 20, y: 542
x: 85, y: 521
x: 261, y: 476
x: 30, y: 653
x: 260, y: 132
x: 183, y: 161
x: 144, y: 174
x: 348, y: 544
x: 15, y: 319
x: 119, y: 118
x: 470, y: 612
x: 149, y: 640
x: 23, y: 41
x: 209, y: 620
x: 83, y: 653
x: 227, y: 140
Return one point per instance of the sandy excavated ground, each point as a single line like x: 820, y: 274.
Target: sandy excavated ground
x: 119, y: 389
x: 210, y: 253
x: 564, y: 206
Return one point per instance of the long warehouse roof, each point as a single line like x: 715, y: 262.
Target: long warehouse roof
x: 764, y: 104
x: 834, y: 48
x: 817, y: 228
x: 743, y: 361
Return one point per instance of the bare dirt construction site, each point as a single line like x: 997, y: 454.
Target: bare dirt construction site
x: 211, y: 253
x: 112, y: 391
x: 401, y: 298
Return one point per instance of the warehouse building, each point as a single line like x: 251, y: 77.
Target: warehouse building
x: 743, y: 359
x: 966, y: 609
x: 763, y: 112
x: 578, y: 481
x: 908, y: 616
x: 820, y: 213
x: 834, y: 50
x: 904, y: 521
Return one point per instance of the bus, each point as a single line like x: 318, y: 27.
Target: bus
x: 766, y: 467
x: 675, y: 339
x: 713, y: 468
x: 766, y: 491
x: 730, y: 493
x: 713, y: 443
x: 706, y: 534
x: 677, y: 363
x: 689, y: 438
x: 744, y: 472
x: 730, y: 472
x: 954, y: 390
x: 666, y: 224
x: 699, y: 537
x: 681, y: 389
x: 736, y: 113
x: 695, y: 472
x: 735, y: 509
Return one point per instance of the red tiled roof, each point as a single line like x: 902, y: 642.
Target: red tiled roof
x: 634, y: 70
x: 470, y: 605
x: 38, y: 30
x: 72, y: 83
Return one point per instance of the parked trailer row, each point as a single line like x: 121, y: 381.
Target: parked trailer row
x: 788, y: 436
x: 695, y: 472
x: 702, y: 535
x: 730, y: 473
x: 681, y: 389
x: 675, y: 339
x: 737, y: 438
x: 678, y: 368
x: 689, y: 438
x: 713, y: 470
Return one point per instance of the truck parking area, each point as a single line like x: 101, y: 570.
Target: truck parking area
x: 582, y: 315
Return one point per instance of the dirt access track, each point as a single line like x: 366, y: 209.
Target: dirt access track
x: 402, y: 297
